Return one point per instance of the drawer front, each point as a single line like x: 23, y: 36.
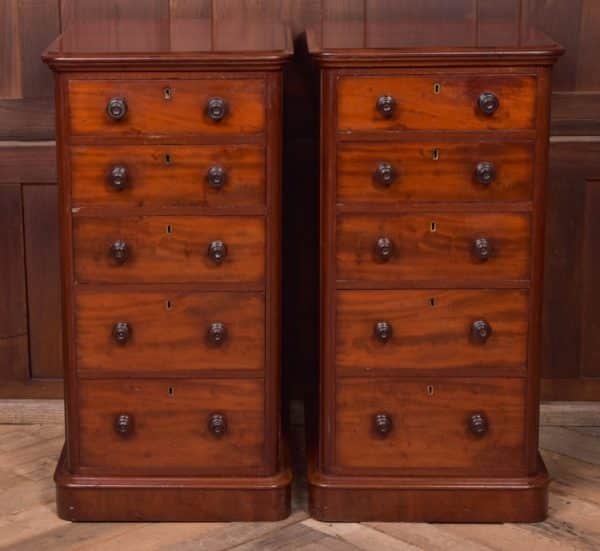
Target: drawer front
x: 149, y: 111
x: 424, y: 171
x: 204, y: 176
x: 171, y: 426
x: 416, y: 103
x: 433, y: 248
x: 451, y: 330
x: 160, y: 334
x: 475, y: 426
x: 170, y: 249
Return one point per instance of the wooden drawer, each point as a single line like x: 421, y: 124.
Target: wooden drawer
x: 169, y: 429
x: 173, y: 175
x: 469, y: 331
x: 433, y: 248
x: 151, y: 113
x: 429, y: 423
x: 395, y: 173
x: 165, y: 333
x: 170, y: 249
x: 418, y: 105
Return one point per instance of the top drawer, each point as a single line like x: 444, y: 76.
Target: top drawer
x: 437, y: 102
x: 165, y: 107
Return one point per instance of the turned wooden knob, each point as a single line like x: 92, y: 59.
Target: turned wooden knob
x: 121, y: 332
x: 116, y: 108
x: 384, y: 249
x: 478, y: 424
x: 386, y: 106
x: 383, y: 331
x: 216, y: 109
x: 488, y: 103
x: 217, y: 251
x: 117, y: 177
x: 217, y: 424
x: 216, y: 177
x: 119, y: 251
x: 385, y: 174
x: 217, y: 333
x: 382, y: 423
x: 482, y: 249
x: 481, y: 331
x: 124, y: 424
x: 485, y: 173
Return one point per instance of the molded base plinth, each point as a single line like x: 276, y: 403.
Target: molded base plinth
x: 96, y: 498
x: 335, y: 498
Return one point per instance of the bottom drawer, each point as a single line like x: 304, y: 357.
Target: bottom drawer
x: 429, y: 426
x: 190, y: 427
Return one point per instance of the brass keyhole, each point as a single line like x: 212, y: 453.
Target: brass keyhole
x: 430, y: 390
x: 437, y: 88
x: 169, y: 229
x: 171, y: 391
x: 433, y: 227
x: 168, y: 94
x: 168, y: 305
x: 435, y: 154
x: 432, y: 302
x: 168, y: 159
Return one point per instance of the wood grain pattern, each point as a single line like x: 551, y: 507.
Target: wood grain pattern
x: 170, y: 433
x: 178, y: 257
x: 430, y: 433
x: 420, y: 108
x: 431, y: 331
x: 168, y: 333
x: 182, y: 182
x: 433, y: 256
x: 150, y: 114
x: 421, y: 178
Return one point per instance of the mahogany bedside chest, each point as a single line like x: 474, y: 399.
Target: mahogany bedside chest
x: 169, y: 146
x: 434, y: 143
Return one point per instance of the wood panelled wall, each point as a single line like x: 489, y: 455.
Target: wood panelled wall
x: 30, y: 353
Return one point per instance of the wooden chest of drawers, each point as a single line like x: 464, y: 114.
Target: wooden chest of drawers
x: 434, y: 158
x: 169, y: 154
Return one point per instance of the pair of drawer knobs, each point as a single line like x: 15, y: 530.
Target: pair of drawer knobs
x: 124, y: 424
x: 120, y: 252
x: 216, y: 334
x: 485, y: 174
x: 478, y: 424
x: 480, y: 332
x: 216, y: 109
x: 118, y: 177
x: 487, y: 103
x: 481, y: 249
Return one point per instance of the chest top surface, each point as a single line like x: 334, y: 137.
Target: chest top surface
x: 171, y: 43
x: 394, y: 38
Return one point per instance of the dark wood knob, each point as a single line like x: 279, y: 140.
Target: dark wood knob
x: 217, y: 424
x: 216, y: 177
x: 124, y: 424
x: 217, y: 333
x: 482, y: 249
x: 485, y: 173
x: 217, y: 251
x: 383, y: 331
x: 216, y: 109
x: 117, y: 177
x: 119, y: 251
x: 384, y: 249
x: 386, y: 106
x: 478, y: 424
x: 481, y: 331
x: 121, y: 332
x: 117, y: 108
x: 382, y: 423
x: 488, y: 103
x: 385, y: 174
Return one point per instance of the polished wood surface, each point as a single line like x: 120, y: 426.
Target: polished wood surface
x: 430, y: 432
x: 169, y: 333
x: 433, y: 171
x: 177, y: 257
x: 431, y: 332
x: 182, y: 181
x: 439, y: 254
